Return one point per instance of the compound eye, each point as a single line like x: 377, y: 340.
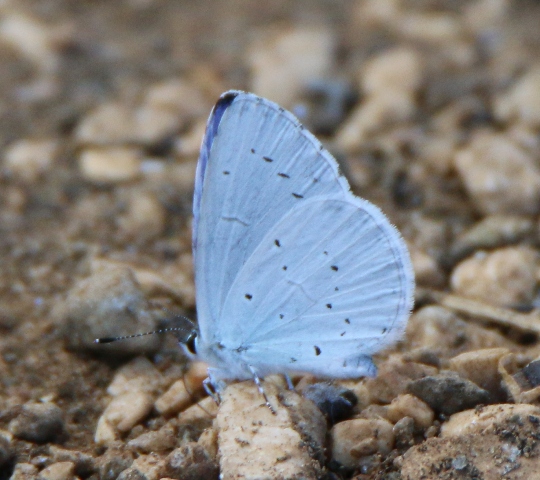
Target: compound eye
x: 191, y: 343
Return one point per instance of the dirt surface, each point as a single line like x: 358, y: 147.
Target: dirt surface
x: 433, y: 109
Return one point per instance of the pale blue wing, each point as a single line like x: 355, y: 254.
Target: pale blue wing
x: 327, y: 286
x: 257, y: 163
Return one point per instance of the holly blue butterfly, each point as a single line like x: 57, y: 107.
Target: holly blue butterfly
x: 293, y: 272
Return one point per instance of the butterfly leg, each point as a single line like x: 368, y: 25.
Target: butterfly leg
x: 213, y: 387
x: 257, y: 381
x: 288, y: 379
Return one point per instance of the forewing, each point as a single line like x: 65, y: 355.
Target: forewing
x: 330, y: 284
x: 257, y: 163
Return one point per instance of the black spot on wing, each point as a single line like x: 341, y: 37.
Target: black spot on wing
x: 297, y: 195
x: 317, y: 350
x: 284, y: 175
x: 277, y: 242
x: 248, y: 296
x: 252, y: 150
x: 335, y: 268
x: 347, y: 321
x: 267, y: 159
x: 328, y: 305
x: 226, y: 172
x: 284, y: 267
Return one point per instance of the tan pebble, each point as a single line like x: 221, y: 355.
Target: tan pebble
x: 410, y: 406
x: 395, y: 69
x: 481, y: 367
x: 486, y: 419
x: 437, y: 153
x: 58, y: 471
x: 28, y: 159
x: 515, y: 382
x: 393, y: 377
x: 203, y: 412
x: 374, y: 411
x: 162, y: 440
x: 121, y: 415
x: 428, y: 234
x: 209, y: 441
x: 253, y: 440
x: 110, y: 165
x: 177, y: 96
x: 152, y: 123
x: 183, y: 392
x: 137, y: 375
x: 440, y: 330
x: 144, y: 218
x: 24, y: 471
x: 499, y: 175
x: 35, y: 40
x: 433, y: 28
x: 492, y: 231
x: 148, y: 467
x: 83, y: 461
x: 426, y: 269
x: 109, y: 123
x: 189, y: 143
x: 505, y: 277
x: 353, y: 439
x: 522, y: 101
x: 282, y: 60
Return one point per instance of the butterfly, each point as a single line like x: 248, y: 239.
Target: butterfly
x: 293, y: 272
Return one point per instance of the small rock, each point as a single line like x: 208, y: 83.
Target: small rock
x: 353, y: 439
x: 500, y: 176
x: 482, y: 368
x: 404, y: 433
x: 183, y: 392
x: 108, y: 303
x: 202, y: 413
x: 491, y: 232
x: 409, y: 406
x: 164, y: 439
x: 334, y: 401
x: 29, y: 159
x: 278, y: 444
x: 110, y: 165
x: 113, y: 462
x: 5, y: 450
x: 24, y: 471
x: 522, y: 101
x: 144, y: 218
x: 84, y: 463
x: 191, y: 462
x: 145, y: 467
x: 139, y: 375
x: 506, y: 277
x: 38, y: 422
x: 389, y: 81
x: 109, y: 123
x: 121, y: 415
x: 448, y: 394
x: 290, y: 58
x: 58, y: 471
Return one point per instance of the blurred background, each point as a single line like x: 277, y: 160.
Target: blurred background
x: 432, y: 108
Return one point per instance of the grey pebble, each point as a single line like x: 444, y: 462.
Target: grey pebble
x: 108, y: 303
x: 38, y: 422
x: 334, y: 401
x: 190, y: 462
x: 448, y: 394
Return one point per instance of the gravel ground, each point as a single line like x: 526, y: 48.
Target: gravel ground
x: 432, y: 108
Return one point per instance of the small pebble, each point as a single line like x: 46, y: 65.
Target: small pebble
x: 58, y: 471
x: 500, y: 176
x: 110, y: 165
x: 24, y: 471
x: 84, y: 463
x: 113, y: 462
x: 121, y: 415
x: 522, y: 101
x: 291, y: 57
x: 506, y: 277
x: 144, y: 467
x: 353, y: 439
x: 182, y: 392
x: 162, y: 440
x: 409, y: 406
x: 108, y: 303
x: 271, y: 443
x: 138, y: 375
x: 202, y: 413
x: 191, y: 462
x: 38, y: 422
x: 404, y: 432
x: 334, y: 401
x: 108, y: 124
x: 28, y: 159
x: 482, y: 368
x: 144, y: 218
x: 448, y: 394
